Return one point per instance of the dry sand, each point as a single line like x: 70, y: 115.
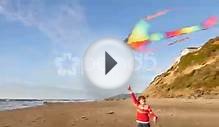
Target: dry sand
x: 171, y: 112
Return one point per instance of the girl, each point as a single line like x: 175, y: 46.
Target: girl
x: 144, y: 112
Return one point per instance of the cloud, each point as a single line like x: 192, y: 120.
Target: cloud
x: 64, y: 22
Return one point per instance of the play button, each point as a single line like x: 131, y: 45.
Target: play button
x: 108, y: 64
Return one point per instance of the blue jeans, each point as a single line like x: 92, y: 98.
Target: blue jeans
x: 143, y: 125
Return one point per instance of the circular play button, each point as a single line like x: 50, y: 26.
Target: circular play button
x: 108, y: 63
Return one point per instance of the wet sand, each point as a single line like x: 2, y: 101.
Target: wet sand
x: 116, y: 113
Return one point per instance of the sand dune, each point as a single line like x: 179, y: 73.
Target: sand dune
x: 171, y: 112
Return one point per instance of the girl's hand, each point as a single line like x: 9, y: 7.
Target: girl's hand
x: 155, y: 119
x: 129, y: 88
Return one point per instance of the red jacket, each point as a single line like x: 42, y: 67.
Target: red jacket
x: 143, y: 114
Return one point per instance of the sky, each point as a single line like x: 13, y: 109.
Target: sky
x: 42, y: 42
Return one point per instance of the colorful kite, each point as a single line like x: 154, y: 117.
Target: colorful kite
x: 140, y: 38
x: 158, y: 14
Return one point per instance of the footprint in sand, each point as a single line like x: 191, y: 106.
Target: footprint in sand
x: 73, y: 124
x: 6, y: 126
x: 37, y: 119
x: 84, y: 118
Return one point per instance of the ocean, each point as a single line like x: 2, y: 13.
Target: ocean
x: 10, y: 104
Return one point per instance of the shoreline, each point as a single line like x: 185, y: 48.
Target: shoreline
x: 185, y: 100
x: 13, y: 104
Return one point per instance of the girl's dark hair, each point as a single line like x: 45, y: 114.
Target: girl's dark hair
x: 141, y: 97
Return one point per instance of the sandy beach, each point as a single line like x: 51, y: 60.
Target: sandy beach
x: 116, y: 113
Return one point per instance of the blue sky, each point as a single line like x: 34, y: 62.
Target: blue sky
x: 37, y: 36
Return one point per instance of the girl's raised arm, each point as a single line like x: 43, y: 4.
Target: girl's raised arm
x: 133, y: 96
